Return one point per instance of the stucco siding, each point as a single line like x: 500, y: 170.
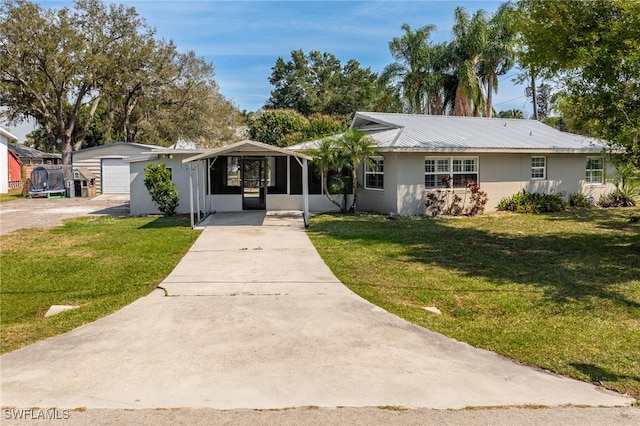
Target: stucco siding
x: 4, y: 164
x: 141, y: 202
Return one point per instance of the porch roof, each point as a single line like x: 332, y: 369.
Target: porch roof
x: 247, y: 147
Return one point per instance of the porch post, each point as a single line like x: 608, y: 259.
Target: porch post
x: 191, y: 195
x: 305, y: 192
x: 197, y: 170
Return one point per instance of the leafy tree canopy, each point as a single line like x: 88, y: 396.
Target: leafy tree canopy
x: 592, y: 48
x: 98, y: 70
x: 318, y: 83
x: 285, y: 127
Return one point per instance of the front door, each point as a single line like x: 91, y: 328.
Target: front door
x: 254, y: 183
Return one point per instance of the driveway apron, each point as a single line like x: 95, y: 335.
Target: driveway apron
x: 253, y: 318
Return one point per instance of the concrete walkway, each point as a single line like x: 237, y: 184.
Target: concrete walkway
x: 254, y: 319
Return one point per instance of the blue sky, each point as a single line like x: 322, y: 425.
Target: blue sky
x: 243, y: 39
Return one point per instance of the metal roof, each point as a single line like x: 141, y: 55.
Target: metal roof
x: 247, y: 148
x: 27, y: 152
x: 440, y: 133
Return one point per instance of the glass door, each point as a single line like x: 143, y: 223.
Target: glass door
x: 254, y: 183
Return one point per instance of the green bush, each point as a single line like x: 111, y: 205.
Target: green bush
x: 579, y: 200
x: 626, y: 194
x: 532, y: 202
x: 157, y: 179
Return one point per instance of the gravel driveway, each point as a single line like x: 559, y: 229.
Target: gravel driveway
x: 48, y: 213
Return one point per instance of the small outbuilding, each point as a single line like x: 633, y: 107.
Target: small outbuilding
x: 82, y: 184
x: 108, y: 166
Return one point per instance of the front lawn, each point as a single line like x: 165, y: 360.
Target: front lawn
x: 560, y: 291
x: 100, y: 264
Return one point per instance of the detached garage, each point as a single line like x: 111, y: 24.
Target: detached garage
x: 107, y: 163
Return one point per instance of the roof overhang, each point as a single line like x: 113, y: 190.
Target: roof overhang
x: 593, y: 150
x: 7, y: 134
x: 247, y: 148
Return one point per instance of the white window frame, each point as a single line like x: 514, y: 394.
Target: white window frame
x: 589, y: 170
x: 538, y: 168
x: 378, y: 171
x: 447, y: 166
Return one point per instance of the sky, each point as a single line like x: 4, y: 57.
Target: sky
x: 243, y: 39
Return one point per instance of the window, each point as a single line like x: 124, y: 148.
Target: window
x: 538, y: 168
x: 458, y: 169
x: 595, y: 170
x: 374, y: 173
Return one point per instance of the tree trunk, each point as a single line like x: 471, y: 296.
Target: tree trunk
x: 325, y: 186
x: 354, y: 186
x: 489, y: 109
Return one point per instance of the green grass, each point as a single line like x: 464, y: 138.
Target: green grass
x: 560, y: 291
x: 100, y: 264
x: 11, y: 195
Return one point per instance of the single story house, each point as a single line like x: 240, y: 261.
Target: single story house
x: 107, y: 164
x: 415, y: 153
x: 5, y: 139
x: 503, y: 156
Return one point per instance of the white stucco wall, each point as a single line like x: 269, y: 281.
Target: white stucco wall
x: 140, y: 201
x: 500, y: 176
x: 4, y: 164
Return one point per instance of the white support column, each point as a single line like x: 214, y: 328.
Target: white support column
x: 305, y: 192
x: 197, y: 170
x: 191, y: 195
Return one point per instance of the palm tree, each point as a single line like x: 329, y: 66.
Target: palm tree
x: 327, y: 158
x: 411, y: 53
x: 469, y: 43
x: 355, y: 147
x: 498, y: 56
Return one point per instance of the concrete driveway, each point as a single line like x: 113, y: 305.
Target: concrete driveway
x: 252, y: 318
x: 47, y: 213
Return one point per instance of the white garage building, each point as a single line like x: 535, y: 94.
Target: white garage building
x: 107, y: 163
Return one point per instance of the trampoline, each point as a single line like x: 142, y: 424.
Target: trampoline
x: 47, y: 183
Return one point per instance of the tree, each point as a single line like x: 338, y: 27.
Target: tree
x: 345, y: 151
x: 97, y: 72
x: 52, y: 62
x: 157, y: 180
x: 498, y: 55
x: 327, y: 158
x: 355, y: 147
x: 412, y: 68
x: 468, y: 46
x: 592, y: 49
x: 512, y: 113
x: 318, y: 83
x: 272, y: 126
x: 285, y: 127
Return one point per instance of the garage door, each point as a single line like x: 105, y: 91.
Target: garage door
x: 115, y: 176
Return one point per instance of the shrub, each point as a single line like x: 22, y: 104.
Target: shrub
x: 532, y: 202
x: 579, y: 200
x: 625, y: 195
x: 157, y: 179
x: 445, y: 201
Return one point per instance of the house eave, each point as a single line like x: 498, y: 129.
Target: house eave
x: 445, y: 150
